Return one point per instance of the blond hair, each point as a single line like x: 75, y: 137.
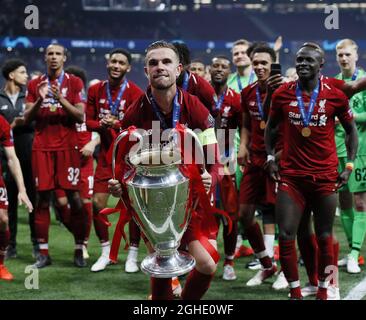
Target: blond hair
x: 347, y: 43
x: 240, y: 42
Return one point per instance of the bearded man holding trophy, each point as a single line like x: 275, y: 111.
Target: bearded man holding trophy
x: 166, y: 187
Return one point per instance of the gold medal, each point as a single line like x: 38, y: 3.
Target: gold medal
x: 306, y: 132
x: 262, y: 125
x: 53, y: 107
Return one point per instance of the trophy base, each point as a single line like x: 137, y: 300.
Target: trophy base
x: 174, y: 265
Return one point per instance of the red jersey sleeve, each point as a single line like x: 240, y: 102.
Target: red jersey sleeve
x: 92, y: 121
x: 31, y: 95
x: 344, y: 112
x: 6, y: 135
x: 238, y: 109
x: 78, y: 88
x: 200, y: 88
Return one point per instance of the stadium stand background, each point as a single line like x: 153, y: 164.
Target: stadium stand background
x: 208, y: 27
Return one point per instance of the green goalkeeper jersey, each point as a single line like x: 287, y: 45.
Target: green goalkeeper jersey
x: 358, y: 106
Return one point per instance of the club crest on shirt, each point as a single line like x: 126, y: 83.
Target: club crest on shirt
x: 323, y: 120
x: 226, y: 111
x: 64, y: 92
x: 322, y: 106
x: 122, y: 105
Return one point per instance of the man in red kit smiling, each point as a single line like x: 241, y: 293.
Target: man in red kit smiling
x: 55, y: 102
x: 106, y: 105
x: 162, y: 97
x: 256, y: 188
x: 228, y: 114
x: 308, y: 175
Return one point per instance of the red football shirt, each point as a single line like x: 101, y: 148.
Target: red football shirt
x: 193, y: 114
x: 98, y: 107
x: 6, y: 136
x: 339, y: 84
x: 250, y: 107
x: 200, y: 88
x: 54, y: 128
x: 314, y: 155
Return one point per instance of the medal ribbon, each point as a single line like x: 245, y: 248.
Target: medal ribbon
x: 218, y: 103
x: 60, y: 79
x: 251, y: 79
x: 306, y: 117
x: 259, y: 103
x: 354, y: 76
x: 114, y: 105
x: 176, y: 111
x: 185, y: 82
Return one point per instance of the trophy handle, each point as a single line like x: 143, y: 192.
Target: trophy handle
x: 120, y: 137
x: 173, y: 135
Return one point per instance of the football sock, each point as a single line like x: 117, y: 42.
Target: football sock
x: 134, y: 233
x: 196, y: 285
x: 255, y: 237
x: 230, y: 239
x: 308, y: 248
x: 347, y: 217
x: 358, y: 232
x: 161, y: 288
x: 4, y: 241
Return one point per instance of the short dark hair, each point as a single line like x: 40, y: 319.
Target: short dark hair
x: 121, y: 51
x: 184, y: 53
x: 78, y: 72
x: 197, y: 61
x: 265, y: 49
x: 255, y: 45
x: 162, y: 44
x: 59, y: 45
x: 317, y: 48
x: 314, y: 46
x: 11, y: 65
x: 221, y: 56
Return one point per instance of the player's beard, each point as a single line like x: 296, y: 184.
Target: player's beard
x: 220, y: 82
x: 162, y: 86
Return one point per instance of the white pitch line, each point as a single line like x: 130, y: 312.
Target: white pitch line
x: 357, y: 292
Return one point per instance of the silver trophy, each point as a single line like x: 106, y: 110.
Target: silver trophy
x: 158, y: 192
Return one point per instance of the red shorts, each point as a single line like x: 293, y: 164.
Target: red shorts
x: 56, y: 169
x: 3, y: 195
x: 200, y: 224
x: 306, y: 189
x: 86, y: 177
x: 86, y: 180
x: 257, y: 187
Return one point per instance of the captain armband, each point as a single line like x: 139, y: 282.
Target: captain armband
x: 207, y: 137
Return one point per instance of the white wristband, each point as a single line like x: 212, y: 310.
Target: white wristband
x: 270, y: 157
